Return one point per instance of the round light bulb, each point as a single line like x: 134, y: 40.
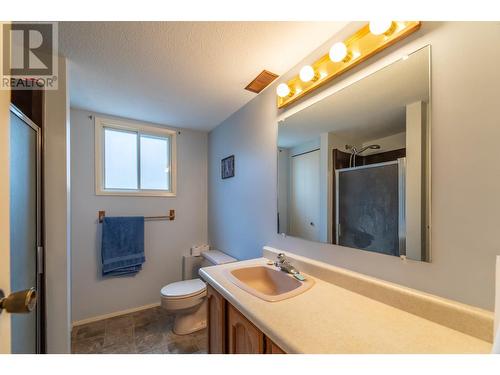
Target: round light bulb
x: 282, y: 90
x: 338, y: 52
x: 306, y: 73
x: 380, y: 27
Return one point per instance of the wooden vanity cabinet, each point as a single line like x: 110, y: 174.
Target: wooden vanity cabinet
x: 216, y: 320
x: 230, y: 332
x: 243, y: 336
x: 272, y: 348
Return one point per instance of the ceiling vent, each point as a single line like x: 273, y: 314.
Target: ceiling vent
x: 261, y: 81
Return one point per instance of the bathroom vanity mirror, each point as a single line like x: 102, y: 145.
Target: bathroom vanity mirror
x: 354, y: 168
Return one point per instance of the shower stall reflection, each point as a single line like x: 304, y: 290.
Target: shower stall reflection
x: 370, y: 207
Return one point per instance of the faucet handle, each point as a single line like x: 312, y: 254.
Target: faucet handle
x: 281, y: 257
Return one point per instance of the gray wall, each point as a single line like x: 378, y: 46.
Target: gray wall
x: 465, y: 203
x: 57, y: 215
x: 165, y: 241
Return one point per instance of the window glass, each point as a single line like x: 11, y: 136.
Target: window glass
x: 155, y: 163
x: 120, y: 159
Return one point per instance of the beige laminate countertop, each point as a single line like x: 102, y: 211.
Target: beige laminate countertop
x: 331, y: 319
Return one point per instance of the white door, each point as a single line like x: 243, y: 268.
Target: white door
x: 305, y: 196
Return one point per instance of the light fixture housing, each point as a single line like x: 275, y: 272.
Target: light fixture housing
x: 360, y: 46
x: 307, y: 73
x: 382, y: 27
x: 283, y: 90
x: 339, y: 52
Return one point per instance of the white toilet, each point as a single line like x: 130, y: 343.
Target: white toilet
x: 187, y: 299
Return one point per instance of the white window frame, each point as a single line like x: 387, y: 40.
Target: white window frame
x: 100, y: 124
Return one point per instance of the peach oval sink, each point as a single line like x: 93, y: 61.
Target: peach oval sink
x: 268, y: 283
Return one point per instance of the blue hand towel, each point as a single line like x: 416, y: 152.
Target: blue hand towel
x: 122, y: 249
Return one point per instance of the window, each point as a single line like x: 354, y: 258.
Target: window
x: 134, y: 159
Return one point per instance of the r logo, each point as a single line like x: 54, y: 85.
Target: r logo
x: 31, y: 49
x: 29, y: 54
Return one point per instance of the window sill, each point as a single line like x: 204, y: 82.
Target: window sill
x: 136, y: 193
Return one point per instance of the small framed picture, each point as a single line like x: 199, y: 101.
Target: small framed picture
x: 227, y: 167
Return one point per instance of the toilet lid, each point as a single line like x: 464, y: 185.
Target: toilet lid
x: 182, y: 289
x: 217, y: 257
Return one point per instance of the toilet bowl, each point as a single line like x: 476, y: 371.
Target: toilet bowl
x: 187, y: 299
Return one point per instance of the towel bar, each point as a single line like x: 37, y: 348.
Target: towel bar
x: 171, y: 216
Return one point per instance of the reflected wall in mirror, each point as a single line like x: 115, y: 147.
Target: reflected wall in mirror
x: 353, y: 168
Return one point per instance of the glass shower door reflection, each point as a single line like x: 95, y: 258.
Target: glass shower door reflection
x: 370, y: 207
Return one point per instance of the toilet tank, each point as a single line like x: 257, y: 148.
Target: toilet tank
x: 192, y: 264
x: 215, y: 257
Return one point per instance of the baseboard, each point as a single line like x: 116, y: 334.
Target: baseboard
x: 113, y: 314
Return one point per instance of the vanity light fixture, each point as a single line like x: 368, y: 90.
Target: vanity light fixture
x: 339, y: 52
x: 283, y: 90
x: 382, y: 27
x: 344, y: 55
x: 307, y: 74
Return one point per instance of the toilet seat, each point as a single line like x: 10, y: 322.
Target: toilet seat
x: 184, y: 289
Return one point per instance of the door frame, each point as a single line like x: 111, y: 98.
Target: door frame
x: 40, y: 327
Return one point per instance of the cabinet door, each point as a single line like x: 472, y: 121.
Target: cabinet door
x: 272, y: 348
x: 216, y: 317
x: 244, y: 337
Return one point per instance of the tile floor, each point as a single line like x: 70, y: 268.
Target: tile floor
x: 143, y: 332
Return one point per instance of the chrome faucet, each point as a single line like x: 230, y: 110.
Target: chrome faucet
x: 283, y: 264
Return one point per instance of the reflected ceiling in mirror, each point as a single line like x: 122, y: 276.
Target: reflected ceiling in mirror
x: 353, y: 168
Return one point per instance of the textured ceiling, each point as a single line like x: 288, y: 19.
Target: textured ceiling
x: 185, y: 74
